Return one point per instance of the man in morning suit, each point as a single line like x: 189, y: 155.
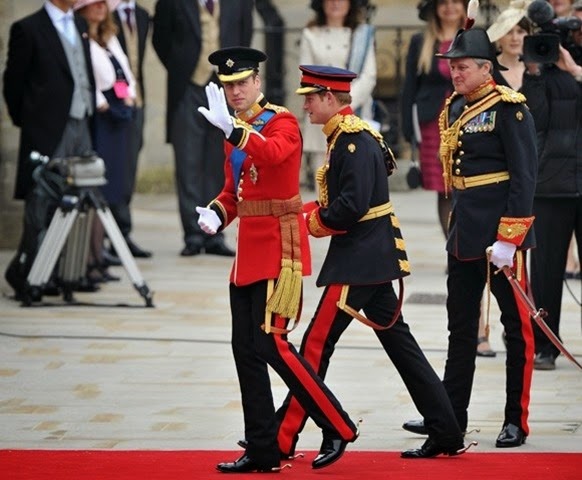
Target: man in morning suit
x: 50, y: 93
x: 185, y: 33
x: 133, y: 22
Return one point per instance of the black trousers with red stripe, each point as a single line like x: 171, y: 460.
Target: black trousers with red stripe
x: 253, y: 351
x: 379, y: 302
x: 465, y: 285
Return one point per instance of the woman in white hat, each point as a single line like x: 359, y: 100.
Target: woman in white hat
x: 508, y: 33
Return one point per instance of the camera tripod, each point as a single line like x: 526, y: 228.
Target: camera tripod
x: 68, y: 238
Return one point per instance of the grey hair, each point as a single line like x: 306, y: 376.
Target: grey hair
x: 483, y: 61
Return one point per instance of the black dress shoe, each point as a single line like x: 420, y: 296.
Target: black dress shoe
x: 219, y: 248
x: 330, y: 451
x: 431, y: 449
x: 245, y: 465
x: 244, y: 444
x: 415, y: 426
x: 511, y: 436
x: 191, y: 250
x: 109, y: 260
x: 544, y: 361
x: 137, y: 251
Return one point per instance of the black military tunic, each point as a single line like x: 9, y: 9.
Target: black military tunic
x: 488, y: 151
x: 365, y: 254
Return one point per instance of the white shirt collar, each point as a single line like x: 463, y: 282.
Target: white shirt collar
x: 56, y: 14
x: 123, y: 5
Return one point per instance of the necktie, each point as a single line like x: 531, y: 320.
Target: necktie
x: 210, y: 6
x: 128, y: 21
x: 69, y: 29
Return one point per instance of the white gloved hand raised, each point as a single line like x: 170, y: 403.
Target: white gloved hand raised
x: 502, y: 253
x: 209, y: 221
x: 217, y: 111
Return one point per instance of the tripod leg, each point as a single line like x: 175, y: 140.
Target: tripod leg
x: 127, y: 260
x: 50, y: 249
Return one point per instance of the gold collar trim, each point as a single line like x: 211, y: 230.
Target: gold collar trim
x: 332, y: 124
x: 253, y: 111
x: 481, y: 91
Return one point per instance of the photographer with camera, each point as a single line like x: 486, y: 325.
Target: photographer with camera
x: 553, y: 87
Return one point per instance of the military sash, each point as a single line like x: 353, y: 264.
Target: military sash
x: 237, y: 157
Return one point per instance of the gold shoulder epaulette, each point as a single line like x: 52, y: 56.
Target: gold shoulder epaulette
x: 276, y: 108
x: 509, y: 95
x: 352, y: 124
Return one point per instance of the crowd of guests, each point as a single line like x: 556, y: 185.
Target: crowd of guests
x: 481, y: 112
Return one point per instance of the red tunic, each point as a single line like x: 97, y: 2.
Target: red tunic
x: 269, y: 171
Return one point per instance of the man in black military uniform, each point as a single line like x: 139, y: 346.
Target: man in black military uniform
x: 366, y: 253
x: 488, y: 152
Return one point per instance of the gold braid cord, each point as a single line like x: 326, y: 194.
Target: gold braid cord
x: 341, y: 124
x: 449, y: 135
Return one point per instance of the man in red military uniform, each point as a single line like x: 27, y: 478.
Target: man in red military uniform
x: 366, y: 253
x: 263, y: 152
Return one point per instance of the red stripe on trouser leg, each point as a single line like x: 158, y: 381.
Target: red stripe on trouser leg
x: 313, y: 388
x: 528, y: 337
x: 294, y: 418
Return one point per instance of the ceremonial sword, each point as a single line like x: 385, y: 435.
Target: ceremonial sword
x: 537, y: 314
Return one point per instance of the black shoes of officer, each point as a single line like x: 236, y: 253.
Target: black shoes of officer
x: 243, y: 443
x: 330, y: 451
x: 431, y: 449
x: 415, y: 426
x: 511, y: 436
x: 544, y: 361
x: 245, y: 465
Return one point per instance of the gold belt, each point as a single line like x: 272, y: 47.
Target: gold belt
x: 378, y: 211
x: 462, y: 183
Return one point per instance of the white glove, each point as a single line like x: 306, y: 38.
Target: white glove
x: 217, y: 111
x: 209, y: 222
x: 502, y: 254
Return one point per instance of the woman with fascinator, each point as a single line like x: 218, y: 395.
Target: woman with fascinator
x: 427, y: 84
x: 508, y: 33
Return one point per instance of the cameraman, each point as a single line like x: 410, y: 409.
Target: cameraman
x: 554, y: 95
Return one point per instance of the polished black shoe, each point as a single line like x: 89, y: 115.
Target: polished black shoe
x: 219, y: 248
x: 245, y: 465
x: 136, y: 250
x: 415, y: 426
x: 432, y: 449
x: 191, y: 250
x: 244, y: 444
x: 544, y: 361
x: 330, y: 451
x: 108, y: 259
x: 511, y: 436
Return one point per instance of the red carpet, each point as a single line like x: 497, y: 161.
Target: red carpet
x: 199, y: 465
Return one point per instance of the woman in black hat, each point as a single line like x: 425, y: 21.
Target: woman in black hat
x: 426, y: 85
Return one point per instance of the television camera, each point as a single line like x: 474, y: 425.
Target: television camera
x: 544, y: 45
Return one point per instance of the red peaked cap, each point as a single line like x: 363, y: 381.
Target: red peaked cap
x: 317, y: 78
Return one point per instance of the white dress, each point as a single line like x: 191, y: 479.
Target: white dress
x: 331, y: 46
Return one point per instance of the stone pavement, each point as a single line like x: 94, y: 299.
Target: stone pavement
x: 101, y: 377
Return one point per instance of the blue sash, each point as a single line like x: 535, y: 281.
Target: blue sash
x: 237, y: 157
